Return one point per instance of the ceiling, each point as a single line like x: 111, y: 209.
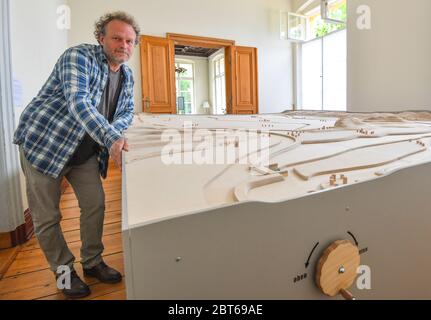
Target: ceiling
x: 194, y: 51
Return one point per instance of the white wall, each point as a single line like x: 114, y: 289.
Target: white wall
x: 389, y: 66
x: 201, y: 85
x: 249, y: 22
x: 36, y: 44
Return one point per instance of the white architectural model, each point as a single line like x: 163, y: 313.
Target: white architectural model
x: 231, y: 206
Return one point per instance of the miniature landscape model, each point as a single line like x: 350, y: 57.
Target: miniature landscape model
x: 307, y: 152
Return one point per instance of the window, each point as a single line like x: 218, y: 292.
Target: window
x: 334, y: 71
x: 293, y: 26
x: 311, y: 25
x: 323, y: 58
x: 311, y: 71
x: 317, y: 27
x: 334, y: 11
x: 219, y: 85
x: 323, y: 73
x: 184, y: 76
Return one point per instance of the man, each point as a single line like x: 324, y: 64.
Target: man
x: 69, y: 130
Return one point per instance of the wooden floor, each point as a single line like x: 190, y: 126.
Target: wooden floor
x: 29, y: 276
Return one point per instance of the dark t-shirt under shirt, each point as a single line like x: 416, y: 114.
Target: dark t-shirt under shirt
x: 107, y: 107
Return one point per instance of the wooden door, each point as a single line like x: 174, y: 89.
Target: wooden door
x: 158, y: 75
x: 241, y: 80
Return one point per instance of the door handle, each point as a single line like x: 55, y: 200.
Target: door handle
x: 147, y: 104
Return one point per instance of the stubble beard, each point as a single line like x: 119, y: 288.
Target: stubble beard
x: 112, y: 58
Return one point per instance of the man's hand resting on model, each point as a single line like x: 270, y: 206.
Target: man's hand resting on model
x: 115, y: 151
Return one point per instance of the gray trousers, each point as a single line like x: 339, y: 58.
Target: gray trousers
x: 43, y: 193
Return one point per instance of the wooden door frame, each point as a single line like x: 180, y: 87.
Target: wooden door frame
x: 206, y: 42
x: 197, y: 41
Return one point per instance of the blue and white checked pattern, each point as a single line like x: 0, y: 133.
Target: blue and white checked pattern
x: 54, y: 123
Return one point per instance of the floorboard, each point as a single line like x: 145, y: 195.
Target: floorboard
x: 29, y: 277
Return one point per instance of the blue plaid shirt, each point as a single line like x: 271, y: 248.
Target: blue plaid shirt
x: 54, y: 123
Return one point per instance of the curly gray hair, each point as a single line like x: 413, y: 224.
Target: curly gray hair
x: 100, y: 25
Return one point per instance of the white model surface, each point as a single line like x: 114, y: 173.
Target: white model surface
x: 291, y: 216
x: 305, y: 150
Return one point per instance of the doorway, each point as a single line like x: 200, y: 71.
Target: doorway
x: 200, y: 80
x: 187, y: 74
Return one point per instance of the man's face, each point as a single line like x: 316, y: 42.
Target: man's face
x: 118, y: 42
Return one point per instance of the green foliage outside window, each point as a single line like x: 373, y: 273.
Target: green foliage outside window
x: 185, y: 85
x: 322, y: 28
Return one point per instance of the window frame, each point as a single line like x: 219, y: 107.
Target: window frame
x: 178, y: 78
x: 217, y: 59
x: 298, y: 75
x: 285, y: 18
x: 324, y: 12
x: 320, y: 11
